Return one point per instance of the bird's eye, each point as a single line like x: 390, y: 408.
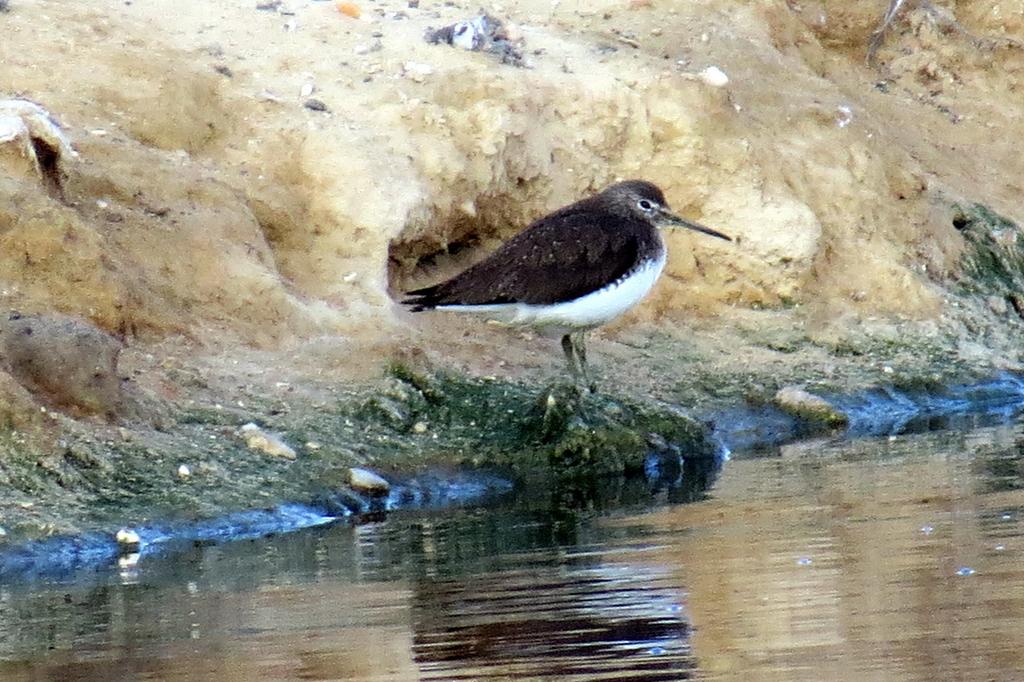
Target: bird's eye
x: 645, y: 205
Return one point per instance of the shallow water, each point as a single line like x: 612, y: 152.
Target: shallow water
x: 876, y: 559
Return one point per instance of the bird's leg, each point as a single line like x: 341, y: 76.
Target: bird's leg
x: 579, y: 343
x: 569, y: 348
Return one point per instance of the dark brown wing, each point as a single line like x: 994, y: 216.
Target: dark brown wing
x: 558, y: 258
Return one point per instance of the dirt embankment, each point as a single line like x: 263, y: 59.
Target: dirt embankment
x: 252, y: 186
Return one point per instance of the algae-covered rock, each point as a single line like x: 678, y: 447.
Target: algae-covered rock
x: 994, y: 262
x: 559, y: 429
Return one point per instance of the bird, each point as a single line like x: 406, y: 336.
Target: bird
x: 570, y: 271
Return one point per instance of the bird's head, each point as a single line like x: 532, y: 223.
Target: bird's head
x: 644, y: 200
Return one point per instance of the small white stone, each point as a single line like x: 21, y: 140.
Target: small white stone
x: 184, y: 472
x: 98, y: 132
x: 313, y: 445
x: 417, y: 71
x: 419, y: 427
x: 350, y: 277
x: 100, y: 203
x: 266, y: 96
x: 714, y: 77
x: 888, y: 370
x: 307, y: 90
x: 126, y: 537
x: 844, y: 115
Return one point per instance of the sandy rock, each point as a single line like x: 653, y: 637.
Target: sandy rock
x: 800, y: 403
x: 65, y: 360
x: 265, y: 441
x: 367, y: 482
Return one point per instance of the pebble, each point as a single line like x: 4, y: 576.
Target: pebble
x: 184, y: 472
x: 127, y: 538
x: 714, y: 77
x: 368, y: 482
x: 416, y: 71
x: 844, y: 115
x: 801, y: 403
x: 267, y: 96
x: 264, y: 441
x: 367, y: 48
x: 997, y: 304
x: 965, y: 571
x: 349, y: 9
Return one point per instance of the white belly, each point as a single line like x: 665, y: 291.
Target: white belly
x: 586, y: 312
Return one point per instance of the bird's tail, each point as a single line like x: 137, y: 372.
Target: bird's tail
x: 421, y: 299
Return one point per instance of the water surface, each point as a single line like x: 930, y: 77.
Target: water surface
x: 895, y: 558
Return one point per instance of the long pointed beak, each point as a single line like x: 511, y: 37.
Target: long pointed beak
x: 669, y: 219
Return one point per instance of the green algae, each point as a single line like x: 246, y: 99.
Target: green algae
x: 100, y: 475
x: 994, y: 261
x: 518, y: 428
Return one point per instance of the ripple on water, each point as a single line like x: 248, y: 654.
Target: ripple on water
x: 556, y: 617
x: 891, y: 558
